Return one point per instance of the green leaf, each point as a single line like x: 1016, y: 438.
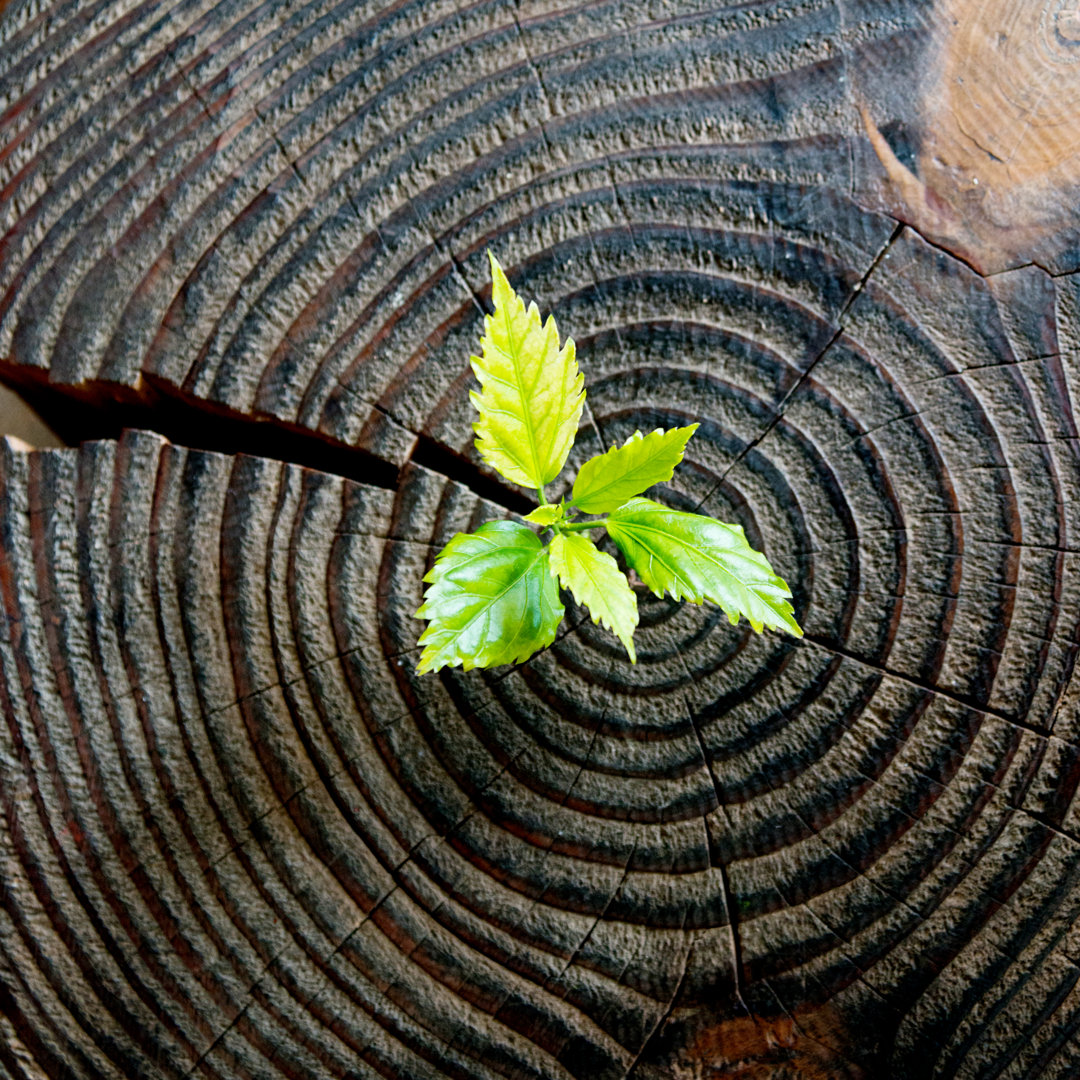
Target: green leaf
x: 491, y: 599
x: 605, y: 482
x: 531, y: 393
x: 597, y: 582
x: 545, y: 515
x: 699, y: 558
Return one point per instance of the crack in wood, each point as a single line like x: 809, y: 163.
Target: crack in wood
x: 96, y: 410
x: 804, y: 375
x: 966, y: 700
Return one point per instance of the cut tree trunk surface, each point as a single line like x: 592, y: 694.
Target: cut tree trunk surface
x: 241, y: 838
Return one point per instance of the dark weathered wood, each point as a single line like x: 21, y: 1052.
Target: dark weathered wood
x: 240, y: 838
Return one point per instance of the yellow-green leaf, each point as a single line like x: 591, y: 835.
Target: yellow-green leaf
x: 700, y: 558
x: 546, y: 515
x: 605, y: 482
x: 594, y: 579
x: 531, y: 393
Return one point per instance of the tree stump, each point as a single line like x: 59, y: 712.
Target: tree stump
x: 241, y: 838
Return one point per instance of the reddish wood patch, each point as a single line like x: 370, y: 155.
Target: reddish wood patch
x: 806, y: 1045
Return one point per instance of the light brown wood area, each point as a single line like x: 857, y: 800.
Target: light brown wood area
x: 998, y: 173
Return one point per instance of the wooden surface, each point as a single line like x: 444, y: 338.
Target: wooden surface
x: 997, y: 125
x: 240, y: 838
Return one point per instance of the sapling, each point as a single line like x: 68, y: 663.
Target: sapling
x: 493, y: 595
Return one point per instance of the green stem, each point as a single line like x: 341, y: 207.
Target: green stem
x: 541, y: 496
x: 581, y: 526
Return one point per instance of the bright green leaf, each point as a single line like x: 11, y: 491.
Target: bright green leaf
x: 545, y: 515
x: 531, y: 393
x: 605, y: 482
x: 699, y: 558
x: 491, y: 599
x: 596, y: 581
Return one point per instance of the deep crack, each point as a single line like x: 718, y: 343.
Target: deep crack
x: 97, y: 410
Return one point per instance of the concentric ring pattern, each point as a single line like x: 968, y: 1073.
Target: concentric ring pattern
x: 240, y: 837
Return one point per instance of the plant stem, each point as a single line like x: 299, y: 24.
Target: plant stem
x: 581, y: 526
x: 541, y: 496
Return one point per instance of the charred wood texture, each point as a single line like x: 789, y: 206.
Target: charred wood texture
x: 239, y: 837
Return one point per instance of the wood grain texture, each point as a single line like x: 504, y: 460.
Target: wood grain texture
x: 241, y: 838
x: 996, y: 90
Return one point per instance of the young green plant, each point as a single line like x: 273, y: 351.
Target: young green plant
x: 493, y: 595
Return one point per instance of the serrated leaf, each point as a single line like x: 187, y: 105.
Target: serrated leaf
x: 531, y: 393
x: 491, y: 599
x: 606, y: 481
x: 596, y: 581
x: 699, y: 558
x: 545, y: 515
